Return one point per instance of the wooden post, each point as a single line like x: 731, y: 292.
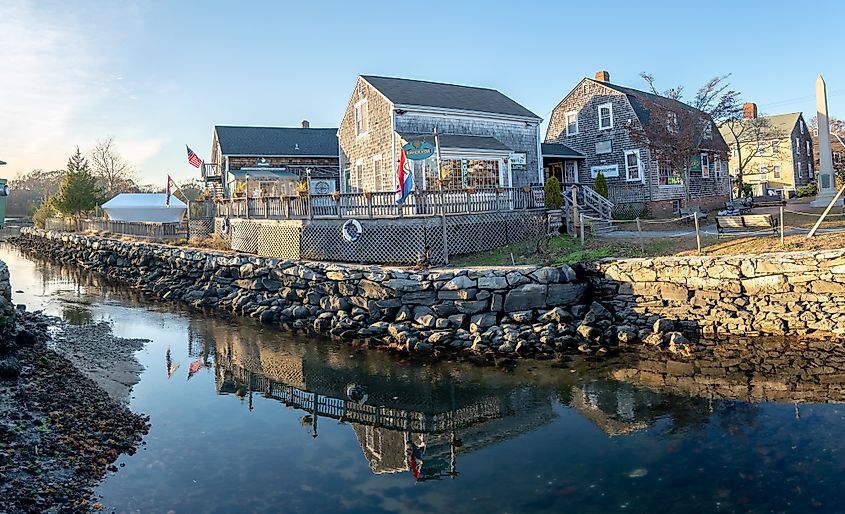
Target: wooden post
x: 640, y: 233
x: 697, y: 233
x: 443, y: 224
x: 575, y: 215
x: 188, y: 227
x: 581, y: 227
x: 781, y: 226
x: 370, y: 206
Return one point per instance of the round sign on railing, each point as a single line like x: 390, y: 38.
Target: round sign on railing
x: 4, y: 190
x: 418, y: 150
x: 351, y: 230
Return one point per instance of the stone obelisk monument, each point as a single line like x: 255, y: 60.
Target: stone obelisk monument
x: 826, y: 175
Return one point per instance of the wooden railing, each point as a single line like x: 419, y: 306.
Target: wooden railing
x: 211, y: 171
x: 382, y: 204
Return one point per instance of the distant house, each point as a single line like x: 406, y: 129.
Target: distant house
x: 486, y: 139
x: 272, y: 160
x: 782, y: 162
x: 837, y: 149
x: 603, y: 122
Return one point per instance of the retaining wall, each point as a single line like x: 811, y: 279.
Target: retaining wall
x: 793, y: 293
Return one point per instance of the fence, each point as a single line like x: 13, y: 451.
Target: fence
x: 136, y: 229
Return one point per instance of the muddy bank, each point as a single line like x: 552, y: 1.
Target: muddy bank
x: 60, y: 433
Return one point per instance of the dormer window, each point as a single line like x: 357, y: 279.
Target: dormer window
x: 361, y: 118
x: 605, y: 116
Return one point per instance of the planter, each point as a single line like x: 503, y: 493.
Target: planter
x: 302, y: 193
x: 500, y: 190
x: 368, y: 194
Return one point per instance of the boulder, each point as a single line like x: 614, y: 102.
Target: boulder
x: 565, y: 294
x: 526, y: 297
x: 459, y: 283
x: 663, y: 325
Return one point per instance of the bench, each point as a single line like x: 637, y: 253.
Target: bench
x: 745, y: 223
x: 767, y: 201
x: 737, y: 207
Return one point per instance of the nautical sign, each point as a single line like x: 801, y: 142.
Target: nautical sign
x: 418, y: 150
x: 351, y: 230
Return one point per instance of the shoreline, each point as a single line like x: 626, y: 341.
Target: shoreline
x: 61, y: 431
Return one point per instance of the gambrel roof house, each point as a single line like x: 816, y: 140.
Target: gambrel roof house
x: 273, y: 154
x: 606, y: 123
x: 782, y: 163
x: 487, y: 140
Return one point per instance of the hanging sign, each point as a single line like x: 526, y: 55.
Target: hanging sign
x: 519, y: 161
x: 351, y: 230
x: 418, y: 150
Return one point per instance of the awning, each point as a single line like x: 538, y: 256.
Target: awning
x: 315, y: 171
x: 457, y: 142
x: 560, y: 151
x: 263, y: 173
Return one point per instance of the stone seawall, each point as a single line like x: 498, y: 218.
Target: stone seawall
x: 792, y: 294
x: 527, y: 310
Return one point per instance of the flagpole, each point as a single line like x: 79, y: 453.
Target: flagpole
x: 442, y: 197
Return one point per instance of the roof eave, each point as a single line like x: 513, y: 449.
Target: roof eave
x: 481, y: 114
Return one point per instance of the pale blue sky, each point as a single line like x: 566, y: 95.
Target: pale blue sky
x: 157, y: 75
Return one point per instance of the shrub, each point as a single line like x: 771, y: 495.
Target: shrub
x: 554, y: 200
x: 600, y: 185
x: 44, y: 211
x: 808, y: 190
x: 747, y: 191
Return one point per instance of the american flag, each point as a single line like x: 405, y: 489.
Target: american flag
x: 193, y: 159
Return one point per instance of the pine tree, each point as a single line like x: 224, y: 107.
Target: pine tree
x: 600, y: 185
x: 80, y: 192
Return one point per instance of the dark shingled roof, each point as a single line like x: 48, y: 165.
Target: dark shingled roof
x: 640, y: 99
x: 559, y: 150
x: 277, y: 141
x: 460, y: 141
x: 447, y: 96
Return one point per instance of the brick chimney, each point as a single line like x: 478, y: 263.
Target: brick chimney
x: 749, y: 110
x: 603, y: 76
x: 305, y: 124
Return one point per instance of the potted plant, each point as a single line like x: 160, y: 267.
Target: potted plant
x: 302, y: 189
x: 500, y: 189
x: 368, y: 194
x: 335, y: 195
x: 554, y: 203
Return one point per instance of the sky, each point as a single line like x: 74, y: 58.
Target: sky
x: 158, y: 75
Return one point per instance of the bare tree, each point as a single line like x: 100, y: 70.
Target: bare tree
x: 837, y: 128
x: 676, y: 132
x: 750, y: 139
x: 114, y: 173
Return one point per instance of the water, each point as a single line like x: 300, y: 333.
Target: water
x: 628, y: 435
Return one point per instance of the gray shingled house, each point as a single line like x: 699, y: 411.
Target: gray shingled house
x: 601, y: 120
x: 272, y: 159
x: 487, y: 140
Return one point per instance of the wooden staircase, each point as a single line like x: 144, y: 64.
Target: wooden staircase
x: 596, y: 210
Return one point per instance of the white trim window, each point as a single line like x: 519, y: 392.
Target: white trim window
x: 735, y: 151
x: 381, y: 178
x: 776, y: 172
x: 705, y: 165
x: 717, y: 167
x: 809, y: 148
x: 571, y: 123
x: 666, y: 175
x: 801, y: 122
x: 362, y: 118
x: 764, y: 172
x: 797, y: 145
x: 358, y: 178
x: 633, y: 166
x: 761, y: 148
x: 775, y: 146
x: 605, y: 113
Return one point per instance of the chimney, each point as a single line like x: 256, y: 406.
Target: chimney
x: 603, y: 76
x: 749, y: 110
x: 305, y: 124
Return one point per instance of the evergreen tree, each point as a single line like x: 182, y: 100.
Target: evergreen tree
x: 600, y: 185
x: 80, y: 192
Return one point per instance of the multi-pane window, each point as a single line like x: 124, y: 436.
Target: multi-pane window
x: 358, y: 177
x: 764, y: 171
x: 775, y: 146
x: 666, y: 176
x: 809, y: 149
x: 570, y: 172
x: 361, y: 118
x: 705, y: 165
x: 776, y: 172
x: 797, y: 145
x: 383, y: 181
x: 717, y: 165
x: 605, y: 116
x: 458, y: 174
x: 571, y: 123
x: 633, y: 168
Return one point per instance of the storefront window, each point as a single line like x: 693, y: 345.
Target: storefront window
x: 666, y: 176
x: 459, y: 174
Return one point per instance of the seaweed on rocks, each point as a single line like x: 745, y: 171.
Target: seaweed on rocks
x: 59, y: 432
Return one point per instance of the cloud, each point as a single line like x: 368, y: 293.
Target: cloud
x: 49, y: 78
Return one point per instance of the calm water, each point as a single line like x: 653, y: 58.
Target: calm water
x: 242, y: 433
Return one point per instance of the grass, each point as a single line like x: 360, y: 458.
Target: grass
x: 566, y: 250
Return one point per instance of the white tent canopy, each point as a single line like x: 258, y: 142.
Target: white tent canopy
x: 149, y: 207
